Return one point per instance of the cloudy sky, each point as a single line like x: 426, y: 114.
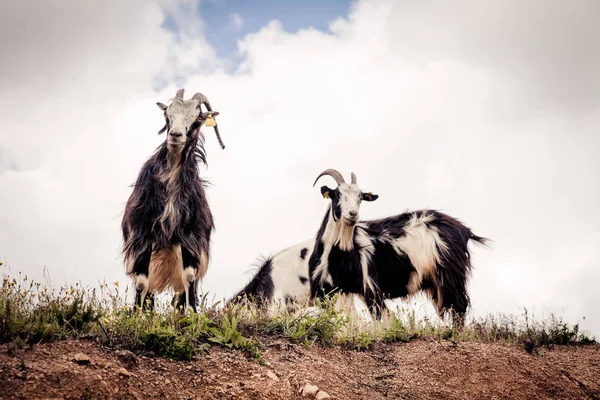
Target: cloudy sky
x: 488, y: 111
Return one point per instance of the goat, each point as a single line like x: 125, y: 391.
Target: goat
x: 167, y: 222
x: 282, y: 279
x: 390, y: 258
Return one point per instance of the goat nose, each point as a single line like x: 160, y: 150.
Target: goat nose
x: 353, y: 213
x: 175, y: 134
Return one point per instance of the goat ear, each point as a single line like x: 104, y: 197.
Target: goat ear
x: 326, y: 192
x: 161, y: 106
x: 163, y: 129
x: 369, y: 196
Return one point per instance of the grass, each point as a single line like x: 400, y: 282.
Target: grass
x: 31, y: 313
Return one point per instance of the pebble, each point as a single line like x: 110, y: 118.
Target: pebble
x: 272, y: 375
x: 322, y: 395
x: 309, y: 390
x: 124, y: 372
x: 127, y: 357
x: 81, y: 358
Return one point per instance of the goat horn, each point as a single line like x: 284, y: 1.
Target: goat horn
x: 219, y: 137
x: 334, y: 174
x: 203, y: 100
x: 179, y: 94
x: 353, y: 177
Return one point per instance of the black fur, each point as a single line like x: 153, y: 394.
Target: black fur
x: 303, y: 253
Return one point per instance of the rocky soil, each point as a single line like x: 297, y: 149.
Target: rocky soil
x: 421, y: 369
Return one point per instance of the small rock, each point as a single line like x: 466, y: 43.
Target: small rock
x: 124, y: 372
x: 272, y: 375
x: 81, y: 358
x: 127, y: 357
x: 309, y: 390
x: 322, y: 395
x: 20, y: 375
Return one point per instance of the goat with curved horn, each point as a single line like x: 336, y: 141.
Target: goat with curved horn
x: 167, y: 222
x: 339, y: 179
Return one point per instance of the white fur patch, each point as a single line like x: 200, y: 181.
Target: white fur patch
x: 286, y: 269
x: 187, y: 276
x: 420, y: 243
x: 350, y: 199
x: 366, y: 249
x: 141, y: 282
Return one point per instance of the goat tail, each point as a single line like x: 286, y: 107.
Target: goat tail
x: 260, y: 287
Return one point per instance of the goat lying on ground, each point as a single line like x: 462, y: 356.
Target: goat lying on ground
x: 390, y: 258
x: 282, y: 280
x: 167, y: 222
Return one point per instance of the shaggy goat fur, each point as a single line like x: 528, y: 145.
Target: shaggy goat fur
x: 167, y: 221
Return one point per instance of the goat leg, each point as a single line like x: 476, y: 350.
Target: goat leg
x: 375, y: 303
x: 140, y: 272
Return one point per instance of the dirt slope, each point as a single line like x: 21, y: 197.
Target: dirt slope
x: 416, y: 370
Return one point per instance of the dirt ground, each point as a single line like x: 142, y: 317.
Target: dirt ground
x: 421, y: 369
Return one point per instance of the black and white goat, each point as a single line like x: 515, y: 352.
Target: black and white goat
x: 390, y: 258
x: 167, y: 222
x: 281, y: 279
x: 282, y: 282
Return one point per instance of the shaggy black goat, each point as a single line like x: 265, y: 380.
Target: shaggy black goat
x: 389, y: 258
x: 167, y: 222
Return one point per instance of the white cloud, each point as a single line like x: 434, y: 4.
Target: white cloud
x: 236, y: 21
x: 426, y: 112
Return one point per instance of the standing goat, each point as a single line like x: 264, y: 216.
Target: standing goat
x: 167, y: 222
x: 390, y: 258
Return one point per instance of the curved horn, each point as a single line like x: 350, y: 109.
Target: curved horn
x: 353, y: 177
x: 179, y: 94
x: 334, y: 174
x: 201, y: 99
x: 219, y: 137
